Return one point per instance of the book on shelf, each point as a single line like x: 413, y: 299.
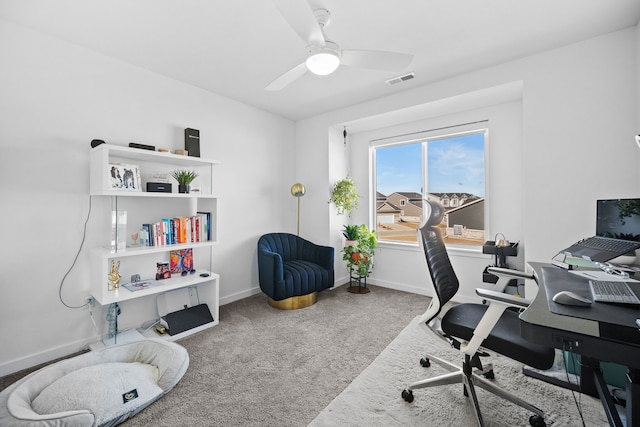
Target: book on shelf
x: 207, y: 225
x: 179, y: 230
x: 147, y: 228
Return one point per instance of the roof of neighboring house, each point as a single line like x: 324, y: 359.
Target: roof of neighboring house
x: 392, y: 207
x: 466, y: 205
x: 380, y: 196
x: 409, y: 195
x: 458, y: 195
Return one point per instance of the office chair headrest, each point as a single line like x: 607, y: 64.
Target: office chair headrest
x: 434, y: 213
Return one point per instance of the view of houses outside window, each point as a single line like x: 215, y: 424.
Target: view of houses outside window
x: 452, y: 170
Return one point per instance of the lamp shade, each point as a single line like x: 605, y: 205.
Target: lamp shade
x: 298, y: 190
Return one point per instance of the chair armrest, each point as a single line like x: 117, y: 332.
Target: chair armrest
x: 321, y: 255
x: 498, y: 303
x: 270, y: 267
x: 505, y: 272
x: 325, y: 255
x: 510, y: 300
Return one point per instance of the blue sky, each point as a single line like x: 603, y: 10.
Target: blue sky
x: 454, y: 165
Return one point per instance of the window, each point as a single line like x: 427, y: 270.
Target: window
x: 452, y: 170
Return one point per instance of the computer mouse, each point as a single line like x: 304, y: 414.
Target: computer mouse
x: 571, y: 298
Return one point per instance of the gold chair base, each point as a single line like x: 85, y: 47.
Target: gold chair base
x: 294, y: 303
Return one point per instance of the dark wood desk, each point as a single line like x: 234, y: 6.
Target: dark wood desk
x: 600, y: 333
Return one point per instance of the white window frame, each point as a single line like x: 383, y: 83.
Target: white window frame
x: 453, y: 131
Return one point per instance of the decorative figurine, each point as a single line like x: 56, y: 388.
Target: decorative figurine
x: 114, y: 276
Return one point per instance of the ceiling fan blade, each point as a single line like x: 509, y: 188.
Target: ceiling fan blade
x: 287, y: 78
x: 376, y: 59
x: 301, y: 18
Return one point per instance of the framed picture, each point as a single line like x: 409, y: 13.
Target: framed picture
x: 163, y: 271
x: 181, y: 260
x: 124, y: 177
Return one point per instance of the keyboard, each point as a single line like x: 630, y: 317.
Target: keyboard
x: 613, y: 245
x: 612, y: 291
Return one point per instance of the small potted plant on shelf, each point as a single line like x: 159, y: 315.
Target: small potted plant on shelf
x: 359, y: 256
x: 350, y: 233
x: 184, y: 178
x: 345, y: 196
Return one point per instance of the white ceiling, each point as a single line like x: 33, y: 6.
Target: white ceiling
x: 236, y: 47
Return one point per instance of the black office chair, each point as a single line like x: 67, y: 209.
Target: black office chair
x: 467, y: 327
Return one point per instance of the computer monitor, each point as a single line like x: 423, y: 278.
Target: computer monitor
x: 618, y: 218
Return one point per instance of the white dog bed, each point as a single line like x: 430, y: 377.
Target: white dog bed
x: 99, y: 388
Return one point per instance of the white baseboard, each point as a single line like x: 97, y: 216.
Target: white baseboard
x: 35, y: 359
x: 419, y: 290
x: 239, y: 295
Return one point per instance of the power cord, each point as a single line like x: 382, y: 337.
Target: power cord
x: 84, y: 235
x: 95, y: 326
x: 575, y: 362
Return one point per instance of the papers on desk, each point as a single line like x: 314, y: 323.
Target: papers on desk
x: 601, y: 275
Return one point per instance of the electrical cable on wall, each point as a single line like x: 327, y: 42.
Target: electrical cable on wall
x: 84, y: 235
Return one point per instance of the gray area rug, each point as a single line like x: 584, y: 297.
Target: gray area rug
x: 374, y: 398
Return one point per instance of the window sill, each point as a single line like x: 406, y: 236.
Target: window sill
x: 452, y: 250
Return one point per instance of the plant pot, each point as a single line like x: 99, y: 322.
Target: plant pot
x: 183, y: 188
x: 350, y: 242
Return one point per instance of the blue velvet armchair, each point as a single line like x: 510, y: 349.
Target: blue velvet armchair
x: 290, y: 267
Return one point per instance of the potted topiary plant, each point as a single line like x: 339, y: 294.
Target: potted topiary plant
x: 359, y: 256
x: 345, y: 196
x: 184, y: 178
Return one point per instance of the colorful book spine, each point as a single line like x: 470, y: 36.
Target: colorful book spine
x: 179, y: 230
x: 207, y: 225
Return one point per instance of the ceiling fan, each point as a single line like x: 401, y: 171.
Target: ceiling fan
x: 324, y: 56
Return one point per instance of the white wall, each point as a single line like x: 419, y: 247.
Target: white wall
x: 55, y: 99
x: 395, y: 265
x: 579, y: 115
x: 579, y: 109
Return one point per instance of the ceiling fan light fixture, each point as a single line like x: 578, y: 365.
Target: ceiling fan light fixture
x: 323, y: 60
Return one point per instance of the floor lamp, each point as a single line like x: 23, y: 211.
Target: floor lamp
x: 297, y: 191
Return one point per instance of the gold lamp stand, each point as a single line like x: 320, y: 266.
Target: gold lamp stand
x: 297, y: 191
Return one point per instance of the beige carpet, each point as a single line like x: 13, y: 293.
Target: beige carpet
x: 374, y: 397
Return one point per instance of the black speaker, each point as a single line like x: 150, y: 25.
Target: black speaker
x: 192, y: 142
x: 96, y: 142
x: 159, y: 187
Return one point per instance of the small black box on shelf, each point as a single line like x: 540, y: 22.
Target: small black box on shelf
x: 142, y: 146
x: 159, y: 187
x: 192, y: 142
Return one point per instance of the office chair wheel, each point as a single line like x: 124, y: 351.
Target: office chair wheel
x: 489, y: 375
x: 407, y: 395
x: 537, y: 421
x: 424, y: 362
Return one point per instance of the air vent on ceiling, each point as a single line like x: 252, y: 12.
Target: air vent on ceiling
x: 401, y: 79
